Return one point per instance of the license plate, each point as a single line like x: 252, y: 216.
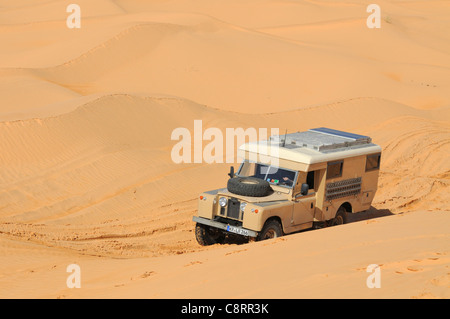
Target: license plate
x: 236, y: 230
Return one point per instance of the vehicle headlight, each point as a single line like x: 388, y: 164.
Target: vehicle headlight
x: 243, y: 205
x: 223, y: 201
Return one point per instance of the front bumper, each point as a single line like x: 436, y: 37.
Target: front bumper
x: 224, y: 227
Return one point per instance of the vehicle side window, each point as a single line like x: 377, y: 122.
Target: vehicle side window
x: 310, y: 179
x: 334, y: 169
x: 373, y: 162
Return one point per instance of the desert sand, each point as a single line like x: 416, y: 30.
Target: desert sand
x: 86, y: 117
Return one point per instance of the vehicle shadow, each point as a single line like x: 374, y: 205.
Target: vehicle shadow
x: 371, y: 213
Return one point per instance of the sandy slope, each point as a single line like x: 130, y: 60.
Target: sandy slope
x: 410, y: 248
x: 86, y: 118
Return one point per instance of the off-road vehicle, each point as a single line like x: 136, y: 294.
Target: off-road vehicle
x: 321, y: 176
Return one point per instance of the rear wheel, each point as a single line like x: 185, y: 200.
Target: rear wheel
x: 206, y: 235
x: 272, y: 229
x: 340, y: 218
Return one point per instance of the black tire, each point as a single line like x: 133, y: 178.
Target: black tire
x: 271, y: 229
x: 207, y: 236
x: 249, y: 186
x: 340, y: 218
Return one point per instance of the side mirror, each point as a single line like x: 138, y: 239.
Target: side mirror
x: 304, y: 190
x: 231, y: 173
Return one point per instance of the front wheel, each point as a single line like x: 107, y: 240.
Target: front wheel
x: 272, y: 229
x: 207, y: 236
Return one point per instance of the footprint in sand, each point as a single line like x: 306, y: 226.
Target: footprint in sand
x: 442, y: 281
x: 235, y: 252
x: 193, y: 263
x: 144, y: 275
x: 424, y: 262
x: 147, y: 274
x: 414, y: 268
x: 275, y: 241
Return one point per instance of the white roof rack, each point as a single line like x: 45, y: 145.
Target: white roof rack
x: 313, y: 146
x: 321, y: 139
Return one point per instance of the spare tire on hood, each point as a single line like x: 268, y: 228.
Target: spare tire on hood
x: 249, y: 186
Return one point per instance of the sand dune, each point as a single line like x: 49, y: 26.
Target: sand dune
x: 202, y: 58
x: 86, y: 117
x: 219, y: 51
x: 102, y: 174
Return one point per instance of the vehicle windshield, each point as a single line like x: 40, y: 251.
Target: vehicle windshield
x: 274, y: 175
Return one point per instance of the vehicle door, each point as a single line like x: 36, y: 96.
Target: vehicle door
x: 305, y: 205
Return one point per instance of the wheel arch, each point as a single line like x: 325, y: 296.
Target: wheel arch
x: 266, y: 223
x: 277, y: 218
x: 348, y: 207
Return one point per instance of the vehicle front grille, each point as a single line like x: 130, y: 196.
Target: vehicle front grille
x: 232, y: 210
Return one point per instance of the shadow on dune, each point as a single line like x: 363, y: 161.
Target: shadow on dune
x: 371, y: 213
